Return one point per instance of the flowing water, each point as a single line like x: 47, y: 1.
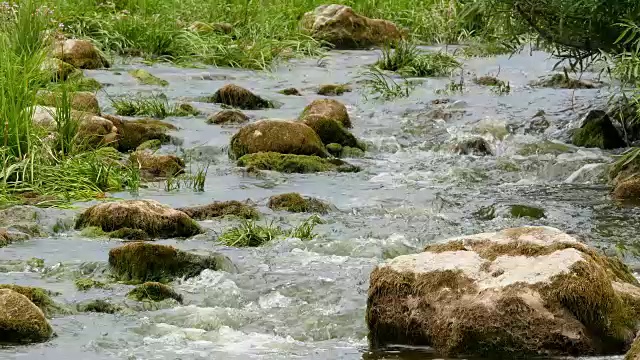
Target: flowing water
x: 294, y: 299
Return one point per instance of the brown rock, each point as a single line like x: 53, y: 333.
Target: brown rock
x: 239, y: 97
x: 157, y: 166
x: 80, y: 53
x: 327, y: 108
x: 21, y: 322
x: 228, y: 117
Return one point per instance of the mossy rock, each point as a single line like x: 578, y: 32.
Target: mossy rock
x: 84, y: 284
x: 328, y: 109
x: 21, y: 322
x: 294, y: 202
x: 40, y: 297
x: 519, y: 211
x: 146, y: 78
x: 288, y: 163
x: 545, y: 147
x: 474, y: 146
x: 80, y: 100
x: 331, y: 131
x: 334, y: 149
x: 627, y: 190
x: 597, y: 131
x: 521, y: 292
x: 57, y: 69
x: 80, y: 53
x: 560, y: 81
x: 129, y: 234
x: 634, y: 351
x: 509, y: 211
x: 93, y: 232
x: 488, y: 81
x: 228, y: 117
x: 153, y: 145
x: 239, y: 97
x: 351, y: 152
x: 99, y: 306
x: 285, y: 137
x: 290, y: 92
x: 10, y: 236
x: 154, y: 166
x: 186, y: 109
x: 87, y: 84
x: 221, y: 209
x: 140, y: 262
x: 133, y: 133
x: 333, y: 89
x: 155, y: 219
x: 154, y: 291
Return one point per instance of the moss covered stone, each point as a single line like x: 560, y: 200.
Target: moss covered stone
x: 228, y: 117
x: 146, y: 78
x: 154, y: 291
x: 627, y: 190
x: 79, y: 53
x: 80, y: 100
x: 294, y: 202
x: 340, y: 26
x: 329, y: 109
x: 186, y: 109
x: 133, y: 133
x: 129, y: 234
x: 334, y: 149
x: 488, y: 81
x: 288, y: 163
x: 351, y: 152
x: 562, y: 81
x: 474, y: 146
x: 285, y: 137
x: 634, y: 351
x: 331, y: 131
x: 220, y: 209
x: 40, y: 297
x: 518, y: 211
x: 290, y: 92
x: 598, y: 131
x: 239, y: 97
x: 154, y: 166
x: 153, y: 145
x: 84, y: 284
x: 530, y: 291
x: 140, y: 262
x: 57, y: 69
x: 21, y: 322
x: 155, y: 219
x: 544, y: 148
x: 333, y: 89
x: 99, y: 306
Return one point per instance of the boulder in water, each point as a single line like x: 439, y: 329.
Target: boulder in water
x: 239, y: 97
x: 154, y: 291
x: 228, y: 117
x: 331, y: 131
x: 289, y: 163
x: 220, y: 209
x: 329, y: 109
x: 153, y: 166
x: 474, y: 146
x: 340, y: 26
x: 294, y: 202
x: 80, y: 53
x: 333, y: 89
x: 133, y: 133
x: 597, y: 131
x: 21, y: 322
x: 517, y: 292
x: 290, y: 92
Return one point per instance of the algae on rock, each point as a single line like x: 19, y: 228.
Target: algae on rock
x: 288, y: 163
x: 21, y: 322
x: 220, y: 209
x: 294, y: 202
x: 146, y: 78
x: 239, y: 97
x: 154, y: 291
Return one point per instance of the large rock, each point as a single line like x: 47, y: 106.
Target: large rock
x: 93, y: 130
x: 133, y: 133
x: 221, y: 209
x: 285, y: 137
x: 154, y: 166
x: 239, y: 97
x: 39, y: 297
x: 597, y: 131
x: 141, y: 262
x: 80, y: 53
x: 329, y: 109
x: 340, y: 26
x: 227, y: 117
x: 57, y: 69
x: 522, y: 291
x: 331, y: 131
x: 157, y: 220
x: 21, y: 322
x: 80, y: 100
x: 294, y: 202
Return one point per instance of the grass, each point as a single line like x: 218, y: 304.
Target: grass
x: 406, y: 59
x: 192, y: 180
x: 251, y: 234
x: 154, y: 105
x: 384, y: 87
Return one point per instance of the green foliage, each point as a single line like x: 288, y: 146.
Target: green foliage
x: 382, y: 86
x: 406, y: 59
x: 84, y: 284
x: 304, y: 231
x: 628, y: 163
x: 192, y: 180
x: 250, y: 234
x: 154, y: 105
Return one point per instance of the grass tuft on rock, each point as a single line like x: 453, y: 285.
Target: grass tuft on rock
x: 406, y: 59
x: 221, y: 209
x: 154, y: 291
x: 250, y: 234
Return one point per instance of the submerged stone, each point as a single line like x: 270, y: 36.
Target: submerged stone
x: 220, y: 209
x: 154, y: 291
x: 475, y: 146
x: 80, y: 53
x: 290, y: 92
x: 545, y: 147
x: 288, y: 163
x: 21, y: 322
x: 561, y: 81
x: 228, y: 117
x: 146, y: 78
x: 530, y: 291
x: 239, y: 97
x: 285, y: 137
x: 519, y: 211
x: 84, y: 284
x: 331, y: 131
x: 99, y: 306
x: 328, y: 109
x: 141, y: 262
x: 597, y: 131
x: 155, y: 219
x: 333, y: 89
x: 133, y: 133
x: 294, y: 202
x: 340, y: 26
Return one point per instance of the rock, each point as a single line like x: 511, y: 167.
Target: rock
x: 35, y: 221
x: 340, y: 26
x: 129, y: 234
x: 21, y: 322
x: 598, y: 131
x: 38, y: 296
x: 544, y: 148
x: 59, y: 70
x: 85, y: 284
x: 154, y: 291
x: 146, y: 78
x: 509, y: 211
x: 228, y: 117
x: 333, y: 89
x: 157, y: 220
x: 153, y: 145
x: 93, y: 131
x: 488, y: 81
x: 285, y: 137
x: 334, y: 149
x: 133, y: 133
x: 519, y: 211
x: 154, y: 166
x: 331, y: 131
x: 10, y: 236
x: 628, y: 190
x: 220, y: 209
x: 81, y: 100
x: 634, y: 352
x: 204, y: 28
x: 561, y: 81
x: 142, y: 262
x: 538, y: 125
x: 351, y: 152
x: 239, y: 97
x: 474, y: 146
x: 288, y: 163
x: 530, y: 291
x: 329, y: 109
x: 294, y: 202
x: 290, y: 91
x: 185, y: 109
x: 80, y: 53
x: 99, y: 306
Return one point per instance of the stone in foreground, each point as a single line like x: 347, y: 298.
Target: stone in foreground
x: 155, y: 219
x: 521, y: 291
x: 340, y: 26
x: 21, y: 322
x: 80, y: 53
x: 140, y: 262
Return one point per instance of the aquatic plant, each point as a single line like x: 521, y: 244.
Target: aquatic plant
x: 250, y: 234
x: 304, y: 231
x: 406, y: 59
x: 154, y: 105
x: 382, y: 86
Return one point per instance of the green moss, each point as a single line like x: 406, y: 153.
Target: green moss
x: 543, y: 148
x: 518, y: 211
x: 84, y: 284
x: 220, y: 209
x: 334, y: 149
x: 488, y: 81
x: 87, y: 84
x: 129, y: 234
x: 153, y: 291
x: 290, y: 91
x: 40, y: 297
x: 99, y: 306
x: 228, y: 117
x: 92, y: 232
x: 288, y: 163
x: 333, y: 89
x: 486, y: 213
x: 184, y: 109
x: 353, y: 152
x: 154, y: 144
x: 36, y: 263
x: 331, y: 131
x: 139, y: 262
x: 145, y: 78
x: 250, y: 234
x: 598, y: 133
x: 294, y: 202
